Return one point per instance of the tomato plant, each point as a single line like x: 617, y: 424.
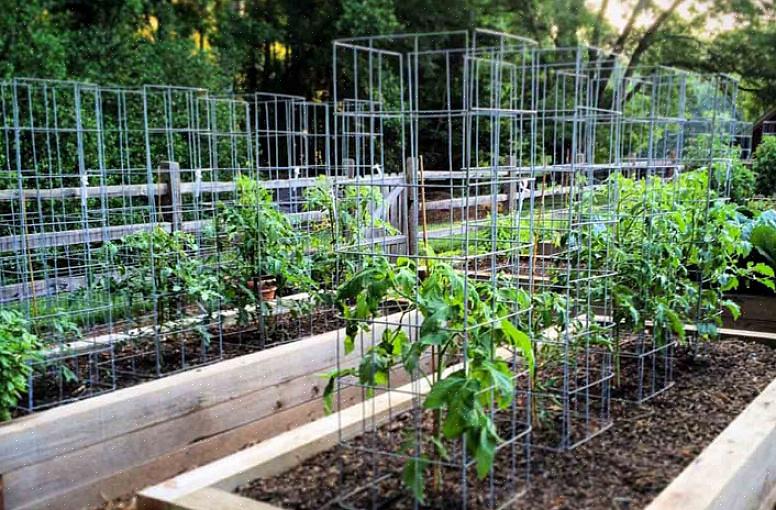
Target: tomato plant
x: 462, y: 319
x: 163, y: 268
x: 19, y: 347
x: 262, y: 243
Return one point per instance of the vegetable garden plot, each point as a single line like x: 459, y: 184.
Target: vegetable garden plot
x: 117, y: 243
x: 646, y: 449
x: 521, y: 233
x: 458, y: 319
x: 614, y: 326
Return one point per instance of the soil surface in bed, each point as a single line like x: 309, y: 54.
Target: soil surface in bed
x: 136, y: 362
x: 623, y: 468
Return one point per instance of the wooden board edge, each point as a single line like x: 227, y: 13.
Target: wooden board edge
x: 210, y: 498
x: 739, y: 466
x: 55, y: 421
x: 281, y: 452
x: 126, y: 482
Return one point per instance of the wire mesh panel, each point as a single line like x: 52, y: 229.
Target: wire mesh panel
x: 281, y: 265
x: 577, y: 93
x: 58, y: 204
x: 154, y: 261
x: 433, y: 307
x: 709, y: 156
x: 648, y: 297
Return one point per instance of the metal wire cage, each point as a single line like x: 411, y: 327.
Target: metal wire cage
x: 431, y: 128
x: 578, y: 95
x: 111, y: 243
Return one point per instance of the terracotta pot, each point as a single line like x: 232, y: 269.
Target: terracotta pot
x: 266, y: 285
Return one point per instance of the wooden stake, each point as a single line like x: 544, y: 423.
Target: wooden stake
x: 423, y: 206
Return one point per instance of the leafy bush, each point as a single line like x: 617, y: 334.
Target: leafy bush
x: 743, y: 182
x: 265, y: 244
x: 463, y: 402
x: 162, y: 267
x: 764, y: 165
x: 760, y: 233
x: 18, y: 347
x: 727, y: 167
x: 665, y: 243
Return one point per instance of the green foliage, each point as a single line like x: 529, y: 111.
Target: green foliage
x: 159, y: 267
x: 367, y: 17
x: 266, y: 245
x: 347, y: 215
x: 760, y: 233
x: 726, y: 165
x: 460, y: 318
x: 18, y: 348
x: 743, y: 182
x: 665, y: 244
x: 278, y: 45
x: 265, y: 240
x: 764, y: 165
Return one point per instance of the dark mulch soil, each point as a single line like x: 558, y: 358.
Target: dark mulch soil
x: 625, y: 467
x: 136, y: 362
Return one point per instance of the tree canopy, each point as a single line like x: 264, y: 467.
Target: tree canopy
x: 285, y: 45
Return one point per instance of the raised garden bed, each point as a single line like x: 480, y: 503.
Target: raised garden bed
x: 653, y: 443
x: 103, y: 448
x: 133, y: 356
x: 758, y: 312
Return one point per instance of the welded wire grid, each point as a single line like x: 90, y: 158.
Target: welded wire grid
x: 578, y: 95
x: 653, y: 125
x: 291, y: 145
x: 105, y: 188
x: 709, y: 149
x: 430, y: 129
x: 53, y: 135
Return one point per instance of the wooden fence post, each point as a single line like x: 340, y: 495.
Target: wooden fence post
x: 170, y: 201
x: 411, y: 230
x: 350, y: 167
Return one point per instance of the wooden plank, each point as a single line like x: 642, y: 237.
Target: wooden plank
x: 769, y: 338
x: 91, y: 235
x: 170, y: 202
x: 210, y: 498
x: 45, y: 287
x: 128, y: 481
x: 287, y: 450
x: 475, y: 201
x: 737, y: 470
x: 74, y: 192
x: 411, y: 232
x: 284, y: 451
x: 12, y: 243
x: 62, y: 477
x: 81, y: 477
x: 200, y: 187
x: 33, y: 439
x: 186, y: 188
x: 59, y: 475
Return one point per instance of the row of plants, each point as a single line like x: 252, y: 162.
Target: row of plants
x: 674, y: 247
x: 250, y: 252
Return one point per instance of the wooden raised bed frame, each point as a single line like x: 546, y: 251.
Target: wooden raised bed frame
x: 738, y: 470
x: 109, y: 446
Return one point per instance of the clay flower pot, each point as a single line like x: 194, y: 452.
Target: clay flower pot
x: 266, y: 285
